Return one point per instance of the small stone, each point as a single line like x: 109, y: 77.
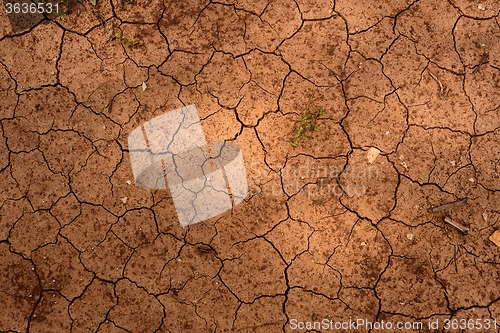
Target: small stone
x: 372, y: 154
x: 452, y: 163
x: 404, y: 165
x: 481, y: 7
x: 485, y: 217
x: 387, y: 133
x: 495, y: 238
x: 472, y: 180
x: 363, y: 244
x: 124, y: 200
x: 129, y: 182
x: 144, y: 86
x: 409, y: 236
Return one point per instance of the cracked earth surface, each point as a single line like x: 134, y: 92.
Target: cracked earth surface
x: 323, y: 233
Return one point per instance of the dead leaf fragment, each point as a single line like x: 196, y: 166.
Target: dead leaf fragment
x: 372, y: 154
x: 495, y: 238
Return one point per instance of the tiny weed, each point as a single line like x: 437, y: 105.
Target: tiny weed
x: 153, y: 191
x: 66, y: 7
x: 128, y: 43
x: 307, y: 122
x: 124, y: 41
x: 116, y: 36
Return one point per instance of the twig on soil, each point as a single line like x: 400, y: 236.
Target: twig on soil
x: 457, y: 225
x: 450, y: 205
x: 443, y: 90
x: 202, y: 248
x: 455, y: 258
x: 484, y: 60
x: 319, y: 201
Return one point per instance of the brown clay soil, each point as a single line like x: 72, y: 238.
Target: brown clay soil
x: 83, y: 249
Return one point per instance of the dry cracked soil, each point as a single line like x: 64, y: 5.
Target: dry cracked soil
x: 335, y: 228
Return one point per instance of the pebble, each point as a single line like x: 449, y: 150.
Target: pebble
x: 372, y: 154
x: 495, y: 238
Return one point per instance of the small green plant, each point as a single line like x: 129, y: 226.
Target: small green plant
x: 66, y: 7
x: 95, y: 11
x: 118, y: 35
x: 124, y: 41
x: 153, y: 191
x: 128, y: 43
x: 307, y: 123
